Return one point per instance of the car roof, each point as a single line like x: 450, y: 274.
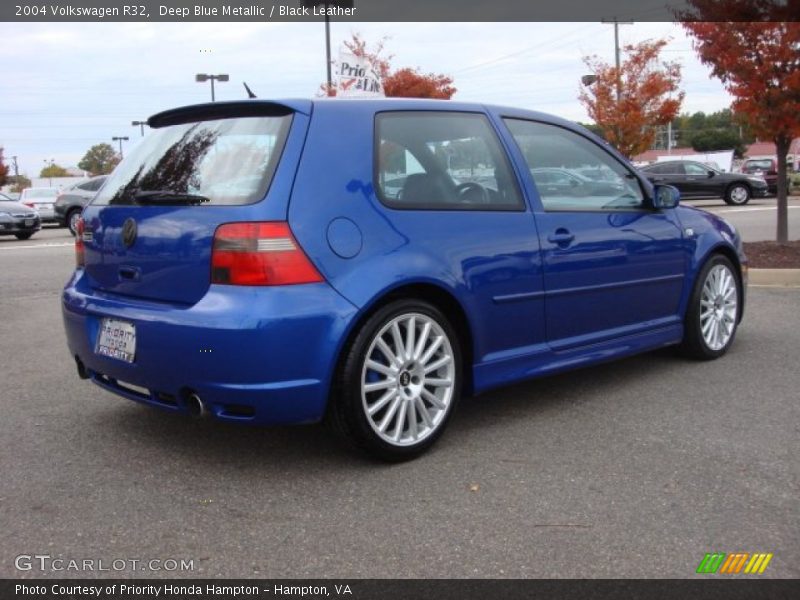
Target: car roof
x: 257, y: 106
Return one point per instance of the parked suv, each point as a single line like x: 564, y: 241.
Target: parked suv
x: 70, y: 201
x: 763, y: 167
x: 368, y: 262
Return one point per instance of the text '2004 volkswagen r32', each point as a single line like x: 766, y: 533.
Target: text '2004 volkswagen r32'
x: 369, y: 262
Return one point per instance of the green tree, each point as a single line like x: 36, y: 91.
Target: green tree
x: 19, y: 183
x: 53, y: 170
x: 100, y: 159
x: 711, y: 140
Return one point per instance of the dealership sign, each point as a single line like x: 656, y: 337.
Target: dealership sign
x: 356, y: 76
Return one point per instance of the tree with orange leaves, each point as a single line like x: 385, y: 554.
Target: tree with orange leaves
x: 754, y: 49
x: 630, y: 102
x: 403, y: 83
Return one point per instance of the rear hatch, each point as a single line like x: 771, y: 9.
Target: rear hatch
x: 149, y: 231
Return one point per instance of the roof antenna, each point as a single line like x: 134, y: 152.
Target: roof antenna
x: 250, y: 93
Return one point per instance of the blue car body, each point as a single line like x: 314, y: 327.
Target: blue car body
x: 526, y: 301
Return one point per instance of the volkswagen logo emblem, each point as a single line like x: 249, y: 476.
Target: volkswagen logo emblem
x: 129, y: 232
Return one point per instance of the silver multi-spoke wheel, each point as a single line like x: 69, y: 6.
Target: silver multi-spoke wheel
x: 718, y: 304
x: 738, y: 194
x: 407, y: 379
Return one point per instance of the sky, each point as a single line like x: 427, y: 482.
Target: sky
x: 68, y: 86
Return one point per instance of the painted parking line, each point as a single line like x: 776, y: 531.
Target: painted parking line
x: 751, y: 209
x: 29, y: 246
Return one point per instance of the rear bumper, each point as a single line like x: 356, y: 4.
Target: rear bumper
x: 258, y: 355
x: 18, y: 226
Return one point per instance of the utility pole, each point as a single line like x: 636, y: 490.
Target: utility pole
x: 616, y: 22
x: 16, y: 168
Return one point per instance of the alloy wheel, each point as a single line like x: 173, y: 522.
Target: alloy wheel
x: 407, y: 380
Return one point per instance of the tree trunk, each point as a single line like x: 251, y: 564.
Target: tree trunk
x: 782, y: 147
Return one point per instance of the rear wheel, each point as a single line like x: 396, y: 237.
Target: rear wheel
x: 738, y: 194
x: 399, y: 382
x: 713, y: 312
x: 23, y: 236
x: 72, y: 220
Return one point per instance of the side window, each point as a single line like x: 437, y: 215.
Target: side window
x: 572, y: 172
x: 695, y: 169
x: 86, y: 187
x: 656, y: 169
x: 674, y: 168
x: 442, y: 161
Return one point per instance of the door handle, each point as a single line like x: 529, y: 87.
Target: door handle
x: 561, y: 236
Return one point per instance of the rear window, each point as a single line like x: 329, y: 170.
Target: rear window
x: 229, y: 161
x: 758, y: 164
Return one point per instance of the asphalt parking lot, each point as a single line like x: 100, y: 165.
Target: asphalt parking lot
x: 632, y: 469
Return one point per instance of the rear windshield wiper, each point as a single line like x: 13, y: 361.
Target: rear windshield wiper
x: 167, y: 197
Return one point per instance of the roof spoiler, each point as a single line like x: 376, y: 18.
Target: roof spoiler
x: 226, y: 110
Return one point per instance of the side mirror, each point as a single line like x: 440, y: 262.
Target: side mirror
x: 711, y: 173
x: 665, y: 196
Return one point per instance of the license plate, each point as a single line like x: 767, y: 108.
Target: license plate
x: 117, y: 339
x: 28, y: 222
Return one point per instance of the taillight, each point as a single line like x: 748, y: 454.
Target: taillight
x: 79, y: 254
x: 259, y: 254
x: 29, y: 204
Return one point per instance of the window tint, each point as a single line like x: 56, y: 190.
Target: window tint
x: 442, y: 161
x: 673, y: 168
x: 560, y: 161
x: 230, y: 161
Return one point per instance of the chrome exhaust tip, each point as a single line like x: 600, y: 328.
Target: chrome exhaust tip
x: 197, y: 408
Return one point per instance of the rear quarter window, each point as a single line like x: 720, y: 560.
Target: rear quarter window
x: 229, y: 161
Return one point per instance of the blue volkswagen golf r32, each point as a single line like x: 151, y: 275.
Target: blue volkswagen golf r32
x: 368, y: 262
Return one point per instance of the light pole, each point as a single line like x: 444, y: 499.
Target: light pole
x: 139, y: 124
x: 616, y: 22
x: 50, y: 164
x: 202, y: 77
x: 327, y: 4
x: 120, y: 139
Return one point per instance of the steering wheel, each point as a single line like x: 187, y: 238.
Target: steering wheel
x: 465, y: 189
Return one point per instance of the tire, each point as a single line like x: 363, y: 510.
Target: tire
x: 737, y: 195
x: 712, y: 315
x: 384, y: 402
x: 23, y: 236
x: 72, y: 220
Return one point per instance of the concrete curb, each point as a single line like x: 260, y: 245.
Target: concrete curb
x: 774, y: 277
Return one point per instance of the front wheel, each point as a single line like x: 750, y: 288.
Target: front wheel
x: 23, y: 236
x: 399, y: 382
x: 713, y: 312
x: 737, y: 195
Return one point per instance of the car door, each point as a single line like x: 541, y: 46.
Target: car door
x: 701, y: 180
x: 671, y: 173
x: 613, y: 266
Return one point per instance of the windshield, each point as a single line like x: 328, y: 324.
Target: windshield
x: 227, y: 161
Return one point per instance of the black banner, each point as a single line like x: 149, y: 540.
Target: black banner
x: 363, y: 589
x: 357, y: 10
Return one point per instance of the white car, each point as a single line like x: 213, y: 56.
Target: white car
x: 42, y: 200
